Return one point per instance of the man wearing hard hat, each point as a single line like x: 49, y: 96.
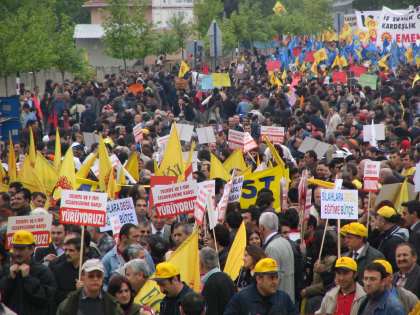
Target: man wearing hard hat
x: 263, y: 297
x: 28, y: 287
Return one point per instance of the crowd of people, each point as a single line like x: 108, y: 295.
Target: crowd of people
x: 285, y: 270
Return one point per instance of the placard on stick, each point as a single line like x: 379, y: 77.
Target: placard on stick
x: 339, y: 204
x: 38, y: 225
x: 123, y: 209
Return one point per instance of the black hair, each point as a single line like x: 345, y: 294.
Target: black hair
x: 222, y: 235
x: 409, y: 245
x: 374, y: 266
x: 75, y: 241
x: 125, y: 229
x: 25, y: 192
x: 193, y: 304
x: 233, y: 219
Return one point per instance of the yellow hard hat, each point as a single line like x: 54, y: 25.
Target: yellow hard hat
x: 346, y: 263
x: 23, y: 237
x: 266, y: 265
x: 165, y: 270
x: 355, y: 228
x: 386, y: 212
x: 385, y: 264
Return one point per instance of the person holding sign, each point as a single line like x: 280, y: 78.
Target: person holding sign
x: 28, y: 287
x: 90, y: 299
x: 355, y: 238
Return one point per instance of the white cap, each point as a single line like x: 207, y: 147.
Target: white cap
x: 45, y: 138
x: 92, y: 265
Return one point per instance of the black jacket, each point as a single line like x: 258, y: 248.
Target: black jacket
x: 65, y: 277
x: 41, y: 252
x: 170, y: 306
x: 390, y: 240
x: 414, y: 239
x: 413, y: 280
x: 32, y: 295
x: 217, y: 292
x: 70, y: 305
x: 250, y: 302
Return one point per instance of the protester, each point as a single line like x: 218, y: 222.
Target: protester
x: 263, y: 297
x: 252, y: 255
x: 218, y: 288
x: 411, y: 217
x: 28, y: 287
x: 278, y: 248
x: 90, y: 299
x: 346, y: 296
x: 55, y: 249
x: 407, y: 299
x: 408, y: 274
x: 355, y: 237
x: 168, y: 278
x: 193, y: 304
x: 120, y: 288
x: 378, y: 298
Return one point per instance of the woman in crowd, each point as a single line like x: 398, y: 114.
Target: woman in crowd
x: 252, y: 255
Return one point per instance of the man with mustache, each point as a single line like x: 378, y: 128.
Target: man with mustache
x: 28, y: 287
x: 408, y: 275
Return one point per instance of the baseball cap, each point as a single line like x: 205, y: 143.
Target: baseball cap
x: 355, y: 228
x: 23, y: 238
x: 165, y: 270
x: 385, y: 264
x: 266, y: 265
x: 92, y: 265
x: 346, y: 263
x: 386, y: 212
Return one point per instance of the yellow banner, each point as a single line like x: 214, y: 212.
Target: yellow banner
x: 254, y: 182
x: 221, y: 79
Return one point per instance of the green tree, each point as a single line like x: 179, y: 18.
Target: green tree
x: 378, y: 4
x: 205, y: 11
x: 181, y: 30
x: 69, y: 58
x: 73, y: 9
x: 165, y: 43
x: 128, y: 35
x: 304, y: 17
x: 32, y: 49
x: 246, y: 26
x: 7, y: 63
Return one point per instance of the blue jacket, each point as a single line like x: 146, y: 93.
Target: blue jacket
x: 250, y: 302
x: 388, y: 305
x: 112, y: 261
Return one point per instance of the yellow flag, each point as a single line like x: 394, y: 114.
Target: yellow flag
x: 183, y: 69
x: 29, y: 178
x: 322, y: 183
x: 275, y: 153
x: 383, y: 62
x: 284, y: 76
x: 121, y: 180
x: 132, y: 166
x: 150, y: 295
x: 11, y: 161
x: 84, y: 170
x: 409, y: 55
x: 66, y: 176
x: 57, y: 150
x: 186, y: 259
x: 303, y: 67
x: 2, y: 174
x: 336, y: 61
x: 314, y: 68
x: 173, y: 162
x: 278, y: 8
x: 46, y: 173
x: 343, y: 62
x: 105, y: 165
x: 32, y: 149
x: 273, y: 79
x: 217, y: 170
x: 402, y: 196
x: 235, y: 260
x: 221, y: 79
x: 235, y: 160
x: 320, y: 55
x: 112, y: 188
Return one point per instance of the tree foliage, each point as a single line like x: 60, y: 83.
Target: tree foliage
x: 205, y: 11
x: 128, y: 35
x: 180, y: 29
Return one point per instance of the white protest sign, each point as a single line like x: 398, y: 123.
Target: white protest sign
x: 235, y: 192
x: 206, y: 135
x: 223, y: 202
x: 274, y: 134
x: 123, y: 209
x: 206, y: 191
x: 319, y: 147
x: 185, y: 132
x: 138, y: 133
x: 90, y: 138
x: 236, y: 139
x: 371, y: 169
x: 403, y: 28
x: 339, y: 204
x: 417, y: 178
x: 161, y: 143
x: 175, y: 199
x: 83, y: 208
x: 38, y: 225
x: 373, y: 132
x: 249, y: 143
